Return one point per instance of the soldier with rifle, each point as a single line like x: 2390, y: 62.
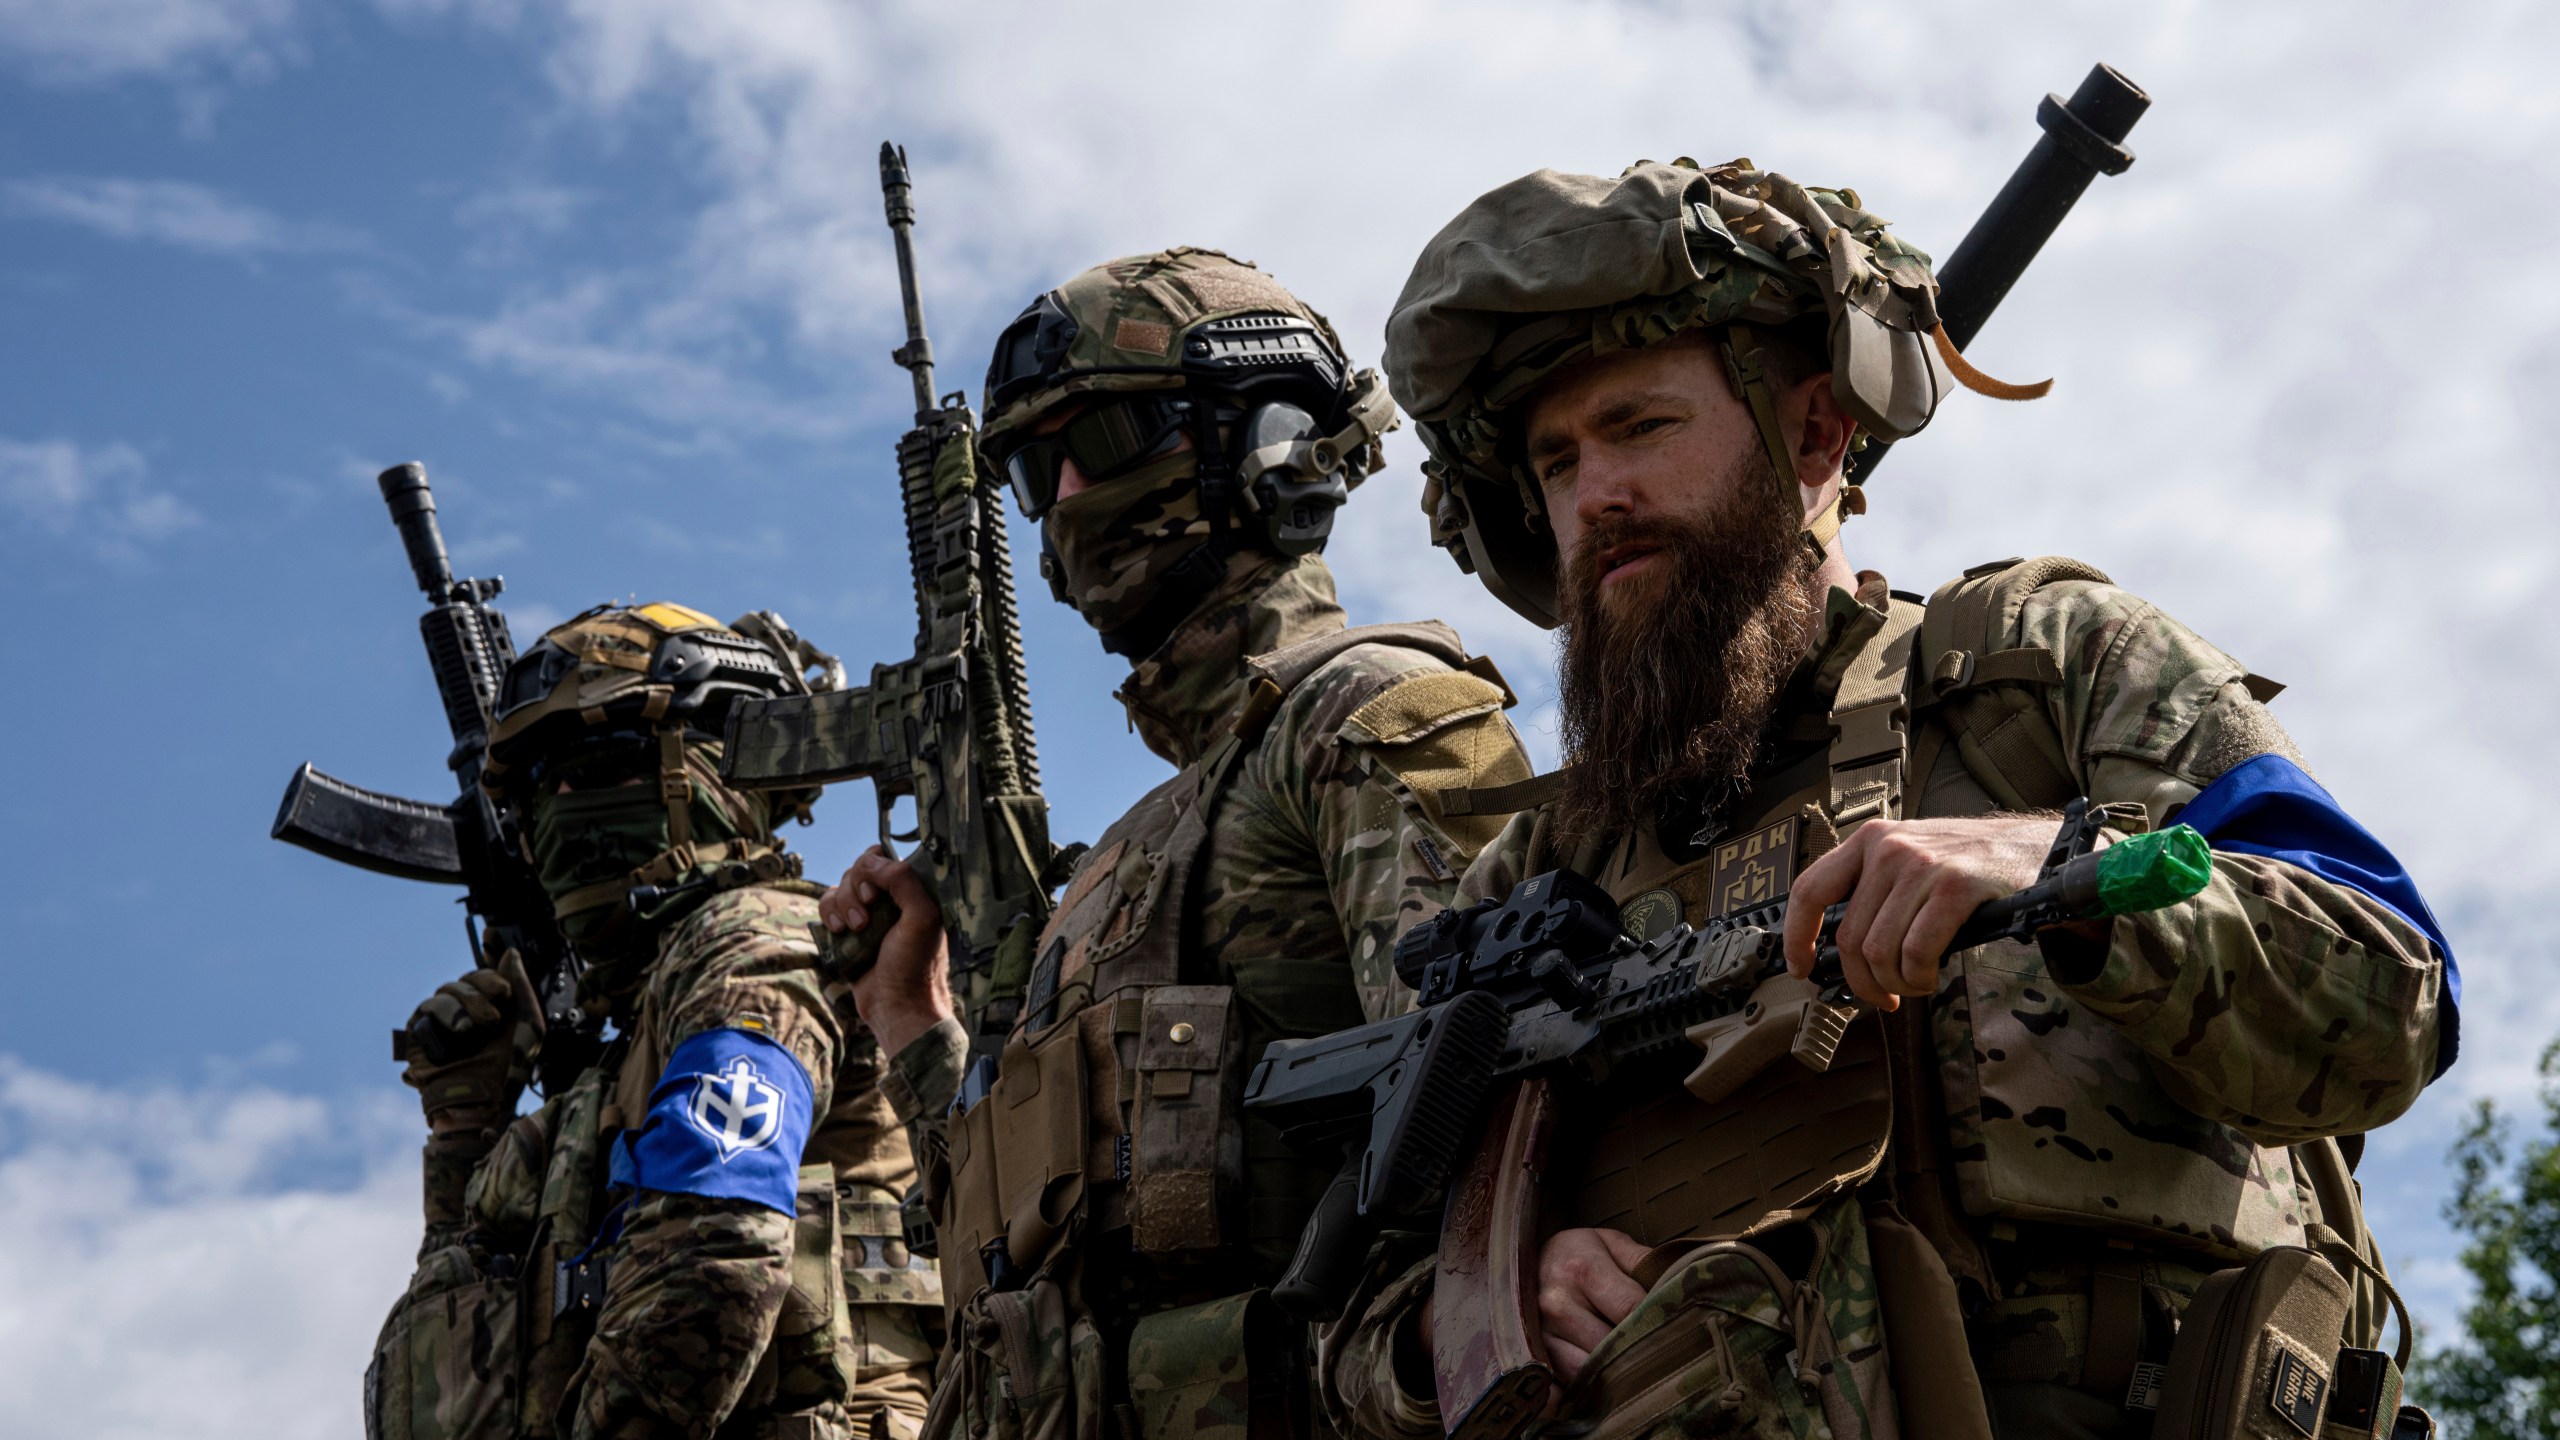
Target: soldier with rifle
x: 1185, y: 430
x: 697, y: 1232
x: 1980, y: 1198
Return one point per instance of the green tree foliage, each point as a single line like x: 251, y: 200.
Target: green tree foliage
x: 2501, y: 1380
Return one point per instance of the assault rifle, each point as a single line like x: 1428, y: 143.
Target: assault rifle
x: 948, y: 728
x: 474, y: 840
x: 1543, y: 983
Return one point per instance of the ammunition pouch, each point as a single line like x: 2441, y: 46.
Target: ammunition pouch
x: 449, y: 1363
x: 1186, y: 1151
x: 1022, y: 1365
x: 1017, y: 1167
x: 2262, y: 1355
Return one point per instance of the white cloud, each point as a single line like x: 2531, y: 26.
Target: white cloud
x: 88, y: 40
x: 171, y: 212
x: 163, y: 1273
x: 101, y: 494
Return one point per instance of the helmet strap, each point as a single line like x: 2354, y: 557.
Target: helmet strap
x: 674, y: 786
x: 1742, y: 363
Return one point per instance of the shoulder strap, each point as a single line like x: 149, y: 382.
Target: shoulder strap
x: 1871, y: 722
x: 1986, y: 694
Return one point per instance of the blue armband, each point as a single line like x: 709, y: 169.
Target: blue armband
x: 728, y: 1120
x: 2267, y: 806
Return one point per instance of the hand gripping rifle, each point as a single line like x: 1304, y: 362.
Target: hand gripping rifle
x: 474, y: 841
x: 1544, y: 984
x: 950, y: 727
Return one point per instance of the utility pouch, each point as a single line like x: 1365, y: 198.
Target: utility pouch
x: 1017, y: 1165
x: 1189, y: 1368
x: 806, y: 1358
x: 2256, y: 1354
x: 1022, y: 1365
x: 448, y: 1364
x: 1186, y: 1154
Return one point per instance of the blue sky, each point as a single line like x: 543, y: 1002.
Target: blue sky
x: 617, y: 274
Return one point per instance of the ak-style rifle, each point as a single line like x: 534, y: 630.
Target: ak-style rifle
x: 474, y: 841
x: 1544, y: 985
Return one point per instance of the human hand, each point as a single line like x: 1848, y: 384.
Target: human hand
x: 469, y: 1046
x: 907, y: 989
x: 1909, y: 884
x: 1586, y: 1285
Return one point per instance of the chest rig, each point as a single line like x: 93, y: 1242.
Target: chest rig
x: 2001, y: 1101
x: 1115, y: 1101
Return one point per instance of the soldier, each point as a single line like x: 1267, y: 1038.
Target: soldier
x: 1184, y: 429
x: 1639, y: 396
x: 708, y: 1215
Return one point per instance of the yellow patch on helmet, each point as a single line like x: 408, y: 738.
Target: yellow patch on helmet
x: 671, y: 617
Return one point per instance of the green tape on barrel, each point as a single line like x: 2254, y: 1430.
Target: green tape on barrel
x: 2147, y: 872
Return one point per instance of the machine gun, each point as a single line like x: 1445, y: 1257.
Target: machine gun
x: 472, y: 841
x: 949, y: 728
x: 1543, y: 983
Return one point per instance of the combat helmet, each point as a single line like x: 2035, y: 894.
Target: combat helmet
x: 619, y: 711
x: 1181, y: 344
x: 1553, y: 269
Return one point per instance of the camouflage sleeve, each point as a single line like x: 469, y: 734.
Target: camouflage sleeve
x: 1370, y: 1370
x: 2276, y: 1002
x: 922, y: 1078
x: 1355, y: 761
x: 697, y: 1283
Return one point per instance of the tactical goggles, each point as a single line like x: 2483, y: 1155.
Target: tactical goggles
x: 1107, y: 439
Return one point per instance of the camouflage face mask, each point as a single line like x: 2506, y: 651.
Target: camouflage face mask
x: 1109, y: 548
x: 590, y: 837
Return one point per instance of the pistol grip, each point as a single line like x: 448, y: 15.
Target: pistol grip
x: 1741, y: 1045
x: 1332, y: 1251
x: 850, y: 954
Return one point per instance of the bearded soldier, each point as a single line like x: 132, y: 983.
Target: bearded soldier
x: 1184, y: 429
x: 706, y: 1220
x: 1985, y: 1218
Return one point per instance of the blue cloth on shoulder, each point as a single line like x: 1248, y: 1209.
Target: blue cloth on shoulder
x: 728, y: 1119
x: 2267, y: 806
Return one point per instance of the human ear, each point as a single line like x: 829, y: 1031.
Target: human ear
x: 1822, y: 430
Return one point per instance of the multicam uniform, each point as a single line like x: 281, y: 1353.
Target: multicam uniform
x: 2003, y: 1198
x: 2147, y: 1088
x: 698, y: 1235
x: 1315, y: 753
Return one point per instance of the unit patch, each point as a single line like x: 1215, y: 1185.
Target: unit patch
x: 2295, y: 1391
x: 1753, y: 869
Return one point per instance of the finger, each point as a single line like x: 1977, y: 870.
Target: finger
x: 1566, y: 1359
x: 1565, y: 1315
x: 1924, y: 948
x: 1888, y: 941
x: 1624, y: 1248
x: 1612, y: 1292
x: 831, y: 907
x: 1824, y: 883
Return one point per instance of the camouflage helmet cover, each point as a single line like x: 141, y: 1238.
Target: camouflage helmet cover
x: 1554, y: 268
x: 1127, y: 325
x: 638, y: 668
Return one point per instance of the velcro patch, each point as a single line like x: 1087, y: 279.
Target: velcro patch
x: 1410, y: 709
x: 2296, y: 1391
x: 728, y: 1119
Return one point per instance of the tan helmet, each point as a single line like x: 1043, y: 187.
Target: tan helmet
x: 1183, y: 343
x: 1552, y: 269
x: 642, y: 692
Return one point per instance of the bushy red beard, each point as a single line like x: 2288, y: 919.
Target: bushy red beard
x: 1669, y: 680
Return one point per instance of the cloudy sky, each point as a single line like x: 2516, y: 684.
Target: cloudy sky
x: 616, y: 273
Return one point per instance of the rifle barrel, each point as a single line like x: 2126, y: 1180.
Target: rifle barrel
x: 897, y: 195
x: 413, y: 510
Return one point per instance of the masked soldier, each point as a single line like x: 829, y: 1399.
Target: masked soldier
x: 1986, y: 1216
x: 703, y: 1226
x: 1184, y: 429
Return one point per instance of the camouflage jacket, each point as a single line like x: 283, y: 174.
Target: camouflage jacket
x: 1326, y: 844
x: 691, y: 1335
x: 2273, y: 1008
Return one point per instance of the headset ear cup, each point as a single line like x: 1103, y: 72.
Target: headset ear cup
x: 1297, y: 515
x: 1053, y: 571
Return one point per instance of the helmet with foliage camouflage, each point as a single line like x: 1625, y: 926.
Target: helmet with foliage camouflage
x: 1553, y: 269
x: 1153, y: 351
x: 606, y: 734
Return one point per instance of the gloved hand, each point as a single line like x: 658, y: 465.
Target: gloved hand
x: 469, y: 1050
